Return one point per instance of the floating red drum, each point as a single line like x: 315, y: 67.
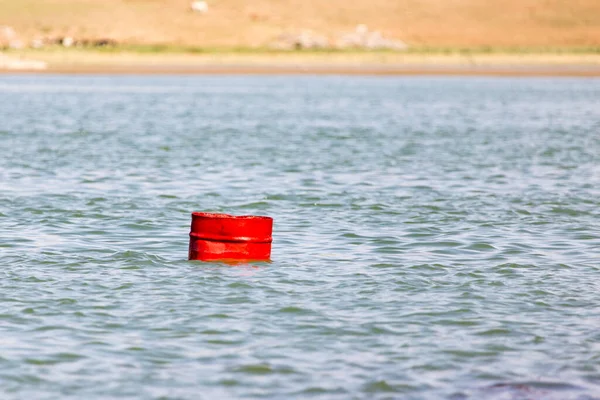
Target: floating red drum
x: 228, y: 237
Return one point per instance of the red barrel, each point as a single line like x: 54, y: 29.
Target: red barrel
x: 229, y: 237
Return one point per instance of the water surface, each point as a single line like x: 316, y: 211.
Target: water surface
x: 435, y: 238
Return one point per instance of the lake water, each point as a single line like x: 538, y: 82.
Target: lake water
x: 435, y: 237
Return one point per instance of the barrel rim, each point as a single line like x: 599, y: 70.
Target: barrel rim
x: 209, y: 215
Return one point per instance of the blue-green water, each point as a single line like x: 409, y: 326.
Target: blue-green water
x: 435, y: 238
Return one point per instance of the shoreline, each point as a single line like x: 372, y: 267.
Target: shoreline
x: 510, y: 71
x: 363, y: 63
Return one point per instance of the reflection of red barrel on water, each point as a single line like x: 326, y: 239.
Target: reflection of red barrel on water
x: 228, y: 237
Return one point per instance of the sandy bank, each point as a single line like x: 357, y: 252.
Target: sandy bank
x: 364, y: 63
x: 8, y: 63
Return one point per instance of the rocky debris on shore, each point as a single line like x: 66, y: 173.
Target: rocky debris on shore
x: 101, y: 42
x: 13, y: 63
x: 303, y: 40
x: 200, y: 7
x: 69, y: 41
x: 360, y: 38
x: 37, y: 43
x: 363, y: 38
x: 9, y: 38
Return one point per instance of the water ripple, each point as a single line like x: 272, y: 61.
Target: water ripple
x: 434, y: 237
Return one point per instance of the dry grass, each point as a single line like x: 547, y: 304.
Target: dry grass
x: 72, y: 57
x: 348, y: 63
x: 243, y: 23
